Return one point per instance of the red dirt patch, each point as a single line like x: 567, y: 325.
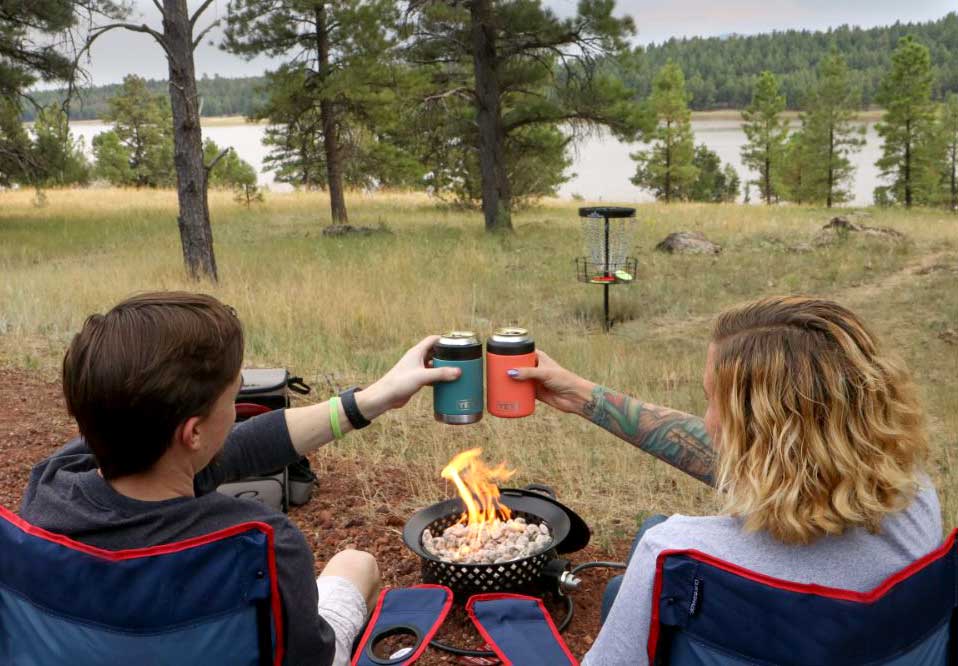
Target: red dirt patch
x: 34, y: 423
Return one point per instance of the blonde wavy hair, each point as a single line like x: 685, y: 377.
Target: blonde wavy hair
x: 821, y: 430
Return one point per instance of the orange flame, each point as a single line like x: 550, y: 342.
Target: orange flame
x: 477, y: 487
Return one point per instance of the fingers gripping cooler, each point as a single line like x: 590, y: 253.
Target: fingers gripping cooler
x: 263, y: 390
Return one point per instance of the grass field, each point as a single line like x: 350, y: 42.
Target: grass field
x: 341, y: 311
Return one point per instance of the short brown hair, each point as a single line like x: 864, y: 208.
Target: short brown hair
x: 133, y: 375
x: 822, y: 430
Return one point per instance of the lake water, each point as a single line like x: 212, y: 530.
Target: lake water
x: 601, y: 164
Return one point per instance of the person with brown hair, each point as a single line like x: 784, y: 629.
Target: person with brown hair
x: 813, y: 437
x: 152, y: 385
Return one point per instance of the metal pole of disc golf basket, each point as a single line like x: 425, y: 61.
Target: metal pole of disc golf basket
x: 608, y: 232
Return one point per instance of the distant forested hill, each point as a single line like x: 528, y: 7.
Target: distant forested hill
x: 221, y: 97
x: 720, y: 71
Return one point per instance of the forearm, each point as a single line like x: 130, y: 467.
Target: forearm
x: 677, y: 438
x: 310, y: 427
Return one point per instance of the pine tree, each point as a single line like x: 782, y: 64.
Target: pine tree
x: 370, y: 156
x: 179, y: 40
x: 38, y: 42
x: 715, y: 183
x: 766, y: 131
x: 504, y: 78
x: 112, y: 159
x: 667, y: 168
x: 227, y: 170
x: 797, y: 174
x: 949, y: 135
x: 59, y: 157
x: 829, y: 133
x: 908, y: 126
x: 340, y: 75
x: 16, y: 156
x: 143, y: 125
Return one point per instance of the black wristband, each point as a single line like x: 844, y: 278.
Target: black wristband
x: 356, y: 418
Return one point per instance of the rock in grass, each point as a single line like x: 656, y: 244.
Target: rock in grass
x: 688, y: 242
x: 350, y: 230
x: 840, y: 228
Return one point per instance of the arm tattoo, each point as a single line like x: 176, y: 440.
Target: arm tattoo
x: 675, y: 437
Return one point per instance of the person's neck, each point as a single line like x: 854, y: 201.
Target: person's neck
x: 155, y: 485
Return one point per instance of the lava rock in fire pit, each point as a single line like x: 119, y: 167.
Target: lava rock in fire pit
x: 488, y: 543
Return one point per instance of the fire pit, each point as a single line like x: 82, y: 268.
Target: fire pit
x: 465, y: 579
x: 481, y: 509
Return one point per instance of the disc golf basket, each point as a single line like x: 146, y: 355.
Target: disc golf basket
x: 608, y: 232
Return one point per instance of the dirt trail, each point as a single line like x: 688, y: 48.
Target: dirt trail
x: 664, y: 327
x: 916, y: 267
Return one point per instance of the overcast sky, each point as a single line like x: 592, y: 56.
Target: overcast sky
x: 120, y: 52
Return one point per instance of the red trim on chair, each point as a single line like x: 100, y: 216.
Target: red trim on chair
x: 174, y: 547
x: 367, y: 634
x: 370, y: 625
x: 869, y: 597
x: 493, y: 596
x: 247, y: 410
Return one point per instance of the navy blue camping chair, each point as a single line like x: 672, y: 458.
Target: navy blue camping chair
x: 208, y: 600
x: 709, y: 612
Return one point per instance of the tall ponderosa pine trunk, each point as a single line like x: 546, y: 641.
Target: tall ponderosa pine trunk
x: 767, y: 176
x: 327, y: 112
x: 194, y: 219
x: 908, y: 164
x: 668, y: 161
x: 496, y: 197
x: 831, y: 168
x: 954, y: 177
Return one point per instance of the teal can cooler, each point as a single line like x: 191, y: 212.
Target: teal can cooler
x: 459, y: 402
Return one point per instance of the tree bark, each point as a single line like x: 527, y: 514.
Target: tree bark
x: 327, y: 113
x: 768, y: 166
x: 831, y: 171
x: 768, y: 179
x: 668, y: 161
x: 908, y: 164
x: 196, y: 236
x: 954, y: 178
x: 496, y: 195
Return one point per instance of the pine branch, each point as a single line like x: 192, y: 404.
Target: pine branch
x: 198, y: 12
x: 199, y: 37
x: 213, y: 163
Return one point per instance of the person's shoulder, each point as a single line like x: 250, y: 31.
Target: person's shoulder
x: 680, y: 532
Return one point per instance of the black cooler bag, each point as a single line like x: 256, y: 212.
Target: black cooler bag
x: 263, y: 390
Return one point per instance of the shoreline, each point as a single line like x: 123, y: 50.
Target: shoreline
x: 732, y: 115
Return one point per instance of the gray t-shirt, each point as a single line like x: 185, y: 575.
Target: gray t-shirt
x: 855, y: 560
x: 67, y: 496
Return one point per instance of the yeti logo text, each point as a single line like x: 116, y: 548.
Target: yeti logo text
x: 465, y: 404
x: 507, y: 406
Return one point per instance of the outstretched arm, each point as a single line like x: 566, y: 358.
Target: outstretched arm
x: 677, y: 438
x: 670, y: 435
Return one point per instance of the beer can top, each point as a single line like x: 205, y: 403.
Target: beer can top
x: 458, y: 339
x: 511, y: 334
x: 510, y: 340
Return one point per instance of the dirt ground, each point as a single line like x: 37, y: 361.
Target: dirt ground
x: 34, y: 423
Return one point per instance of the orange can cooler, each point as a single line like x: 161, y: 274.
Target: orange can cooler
x: 507, y: 397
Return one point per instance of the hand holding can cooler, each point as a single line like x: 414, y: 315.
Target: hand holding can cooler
x: 459, y: 402
x: 507, y: 397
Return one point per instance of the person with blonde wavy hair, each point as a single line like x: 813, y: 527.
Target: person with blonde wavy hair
x: 813, y: 437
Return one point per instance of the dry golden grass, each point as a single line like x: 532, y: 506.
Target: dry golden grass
x: 341, y: 311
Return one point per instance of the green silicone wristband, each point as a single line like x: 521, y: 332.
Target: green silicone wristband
x: 334, y: 417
